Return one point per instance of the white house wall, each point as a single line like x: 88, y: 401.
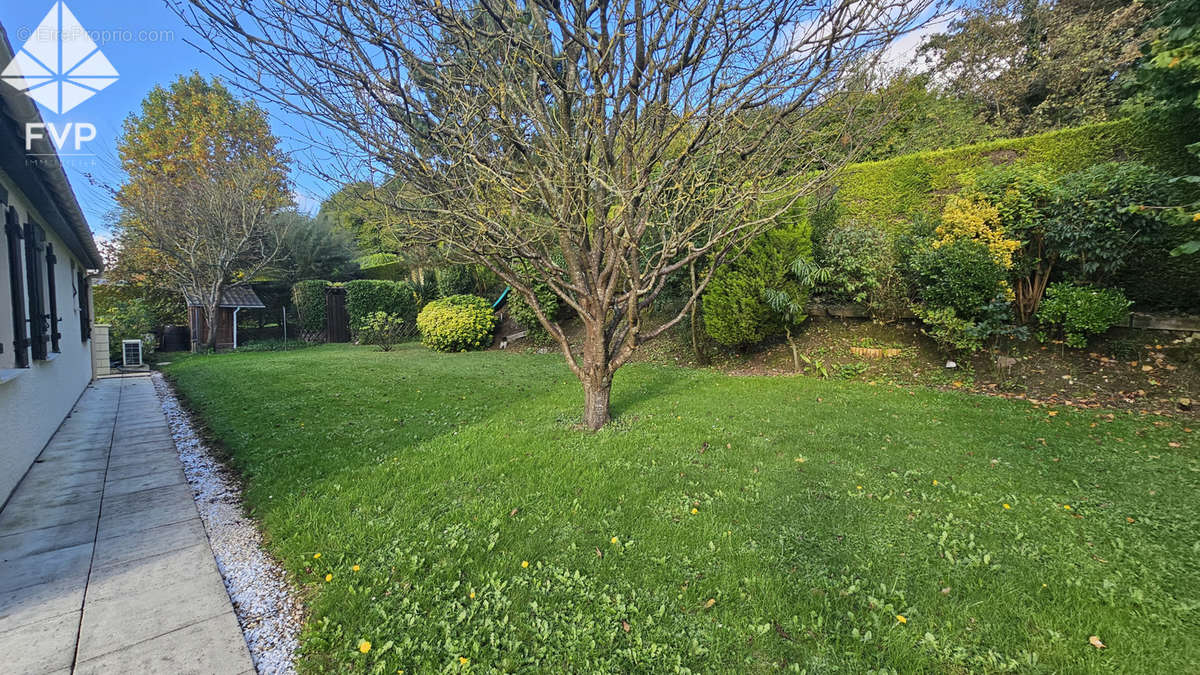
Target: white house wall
x: 33, y: 403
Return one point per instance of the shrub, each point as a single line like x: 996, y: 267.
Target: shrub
x: 1093, y: 230
x: 130, y: 320
x: 456, y: 324
x: 309, y: 300
x: 735, y: 304
x: 1079, y: 311
x: 861, y: 265
x: 367, y: 296
x: 381, y: 329
x: 972, y: 218
x: 962, y: 275
x: 962, y: 291
x: 456, y: 280
x: 524, y: 315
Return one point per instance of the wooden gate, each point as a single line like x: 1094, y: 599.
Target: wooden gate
x: 337, y: 322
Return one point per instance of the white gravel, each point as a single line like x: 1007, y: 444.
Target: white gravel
x: 266, y: 609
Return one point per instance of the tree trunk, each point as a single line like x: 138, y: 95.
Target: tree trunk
x: 595, y: 406
x: 213, y: 313
x: 697, y: 345
x: 795, y: 352
x: 596, y: 380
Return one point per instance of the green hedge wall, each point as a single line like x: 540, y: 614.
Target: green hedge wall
x: 309, y: 299
x: 888, y: 192
x: 365, y: 296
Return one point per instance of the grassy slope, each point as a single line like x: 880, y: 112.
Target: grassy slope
x: 411, y: 464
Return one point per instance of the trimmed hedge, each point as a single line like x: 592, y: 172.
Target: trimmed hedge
x: 367, y: 296
x: 458, y: 323
x: 309, y: 299
x: 888, y: 192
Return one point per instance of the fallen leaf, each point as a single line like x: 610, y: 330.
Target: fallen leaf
x: 1095, y: 642
x: 710, y: 603
x: 946, y: 591
x: 625, y: 626
x: 1129, y: 520
x: 512, y: 513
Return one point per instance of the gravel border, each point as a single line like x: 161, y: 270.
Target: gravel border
x: 265, y: 604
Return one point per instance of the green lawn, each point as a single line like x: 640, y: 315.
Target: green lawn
x: 759, y: 523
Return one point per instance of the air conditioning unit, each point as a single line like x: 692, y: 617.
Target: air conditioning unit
x: 131, y: 350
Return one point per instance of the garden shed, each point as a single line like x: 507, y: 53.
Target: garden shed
x: 233, y: 300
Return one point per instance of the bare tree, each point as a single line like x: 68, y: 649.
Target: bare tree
x: 207, y: 229
x: 204, y: 178
x: 595, y: 146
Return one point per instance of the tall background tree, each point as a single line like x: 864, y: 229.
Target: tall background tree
x: 595, y: 148
x: 205, y: 180
x: 1035, y: 66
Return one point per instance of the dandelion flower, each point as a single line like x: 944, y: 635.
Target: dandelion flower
x: 355, y: 568
x: 935, y: 481
x: 695, y: 511
x: 328, y: 577
x: 316, y: 556
x: 464, y: 660
x: 472, y: 595
x: 859, y: 487
x: 614, y: 540
x: 1067, y: 507
x: 1007, y: 506
x: 524, y: 564
x: 901, y: 619
x: 364, y: 646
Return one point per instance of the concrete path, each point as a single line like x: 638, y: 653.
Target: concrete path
x: 104, y: 563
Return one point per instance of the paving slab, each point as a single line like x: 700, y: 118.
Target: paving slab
x: 104, y: 563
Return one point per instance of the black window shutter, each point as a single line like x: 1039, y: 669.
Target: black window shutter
x: 51, y: 291
x: 38, y: 325
x: 85, y: 321
x: 12, y: 232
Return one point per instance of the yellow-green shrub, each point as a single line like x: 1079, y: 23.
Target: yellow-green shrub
x: 458, y: 323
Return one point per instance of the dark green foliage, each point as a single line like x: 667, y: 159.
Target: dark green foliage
x: 524, y: 315
x: 314, y: 248
x: 1092, y: 227
x: 366, y: 296
x: 458, y: 323
x: 455, y: 280
x: 131, y: 319
x: 1077, y: 312
x: 735, y: 306
x: 961, y: 275
x: 308, y: 297
x: 960, y: 287
x: 860, y: 262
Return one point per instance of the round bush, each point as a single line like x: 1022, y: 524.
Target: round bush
x: 309, y: 299
x: 962, y: 275
x: 1080, y: 311
x: 458, y: 323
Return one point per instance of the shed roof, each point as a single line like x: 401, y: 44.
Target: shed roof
x: 241, y: 295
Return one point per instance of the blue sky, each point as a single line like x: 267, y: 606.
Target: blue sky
x: 147, y: 44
